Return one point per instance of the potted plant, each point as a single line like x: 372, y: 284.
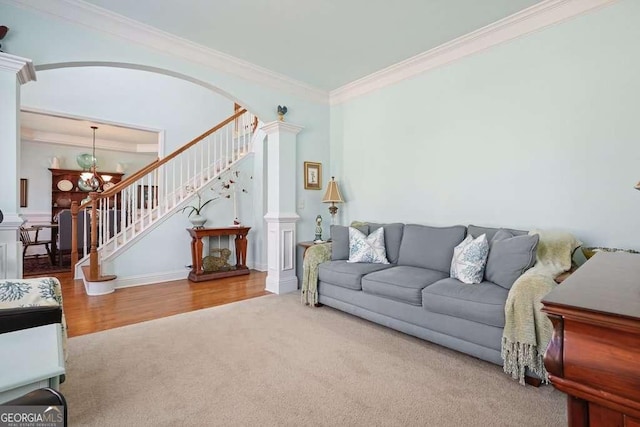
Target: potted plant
x: 195, y: 212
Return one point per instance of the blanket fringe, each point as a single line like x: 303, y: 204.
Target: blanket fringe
x: 519, y: 356
x: 309, y: 297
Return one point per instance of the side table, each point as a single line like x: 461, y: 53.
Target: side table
x: 197, y: 274
x: 307, y: 245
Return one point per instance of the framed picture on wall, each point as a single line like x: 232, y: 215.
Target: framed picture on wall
x: 147, y: 196
x: 24, y: 192
x: 312, y: 176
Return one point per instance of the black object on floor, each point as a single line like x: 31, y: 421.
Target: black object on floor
x: 41, y: 397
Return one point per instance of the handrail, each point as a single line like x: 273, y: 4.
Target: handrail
x: 159, y: 162
x: 120, y: 213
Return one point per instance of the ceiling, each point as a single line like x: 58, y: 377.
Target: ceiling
x: 327, y: 43
x: 40, y: 127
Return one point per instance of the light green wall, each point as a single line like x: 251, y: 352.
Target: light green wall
x: 48, y: 40
x: 542, y: 131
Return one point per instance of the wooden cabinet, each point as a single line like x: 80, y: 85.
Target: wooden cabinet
x: 594, y: 354
x: 61, y: 198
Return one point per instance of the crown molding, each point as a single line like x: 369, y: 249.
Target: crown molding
x: 80, y: 141
x: 541, y: 15
x: 281, y: 126
x: 12, y: 221
x: 99, y: 19
x: 22, y: 67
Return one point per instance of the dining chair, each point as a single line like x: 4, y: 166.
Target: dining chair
x: 27, y: 242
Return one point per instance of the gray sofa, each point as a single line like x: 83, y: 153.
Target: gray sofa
x: 414, y: 293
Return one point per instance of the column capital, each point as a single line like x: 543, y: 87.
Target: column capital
x: 281, y: 217
x: 281, y: 127
x: 11, y: 221
x: 22, y: 67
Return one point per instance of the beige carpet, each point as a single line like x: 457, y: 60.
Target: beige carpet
x: 273, y: 361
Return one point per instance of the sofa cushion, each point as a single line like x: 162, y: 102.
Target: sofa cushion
x: 469, y: 259
x: 509, y: 257
x: 430, y: 247
x: 476, y: 231
x: 340, y: 240
x: 482, y: 302
x: 369, y: 249
x: 347, y: 275
x: 392, y: 238
x: 401, y: 283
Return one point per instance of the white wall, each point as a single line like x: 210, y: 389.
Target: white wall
x: 538, y: 132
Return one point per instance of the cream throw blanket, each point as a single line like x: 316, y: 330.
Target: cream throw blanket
x: 527, y: 330
x: 313, y: 257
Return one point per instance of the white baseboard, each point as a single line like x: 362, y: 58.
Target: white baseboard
x: 150, y: 279
x: 260, y: 267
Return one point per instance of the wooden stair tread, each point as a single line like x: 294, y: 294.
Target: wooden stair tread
x: 86, y: 270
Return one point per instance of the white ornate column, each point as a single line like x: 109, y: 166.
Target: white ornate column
x: 14, y: 71
x: 281, y: 214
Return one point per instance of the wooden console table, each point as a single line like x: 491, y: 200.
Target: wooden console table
x: 197, y: 274
x: 594, y: 354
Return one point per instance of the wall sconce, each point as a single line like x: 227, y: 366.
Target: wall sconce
x: 637, y: 187
x: 333, y: 196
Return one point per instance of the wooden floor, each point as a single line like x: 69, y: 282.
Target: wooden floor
x: 126, y: 306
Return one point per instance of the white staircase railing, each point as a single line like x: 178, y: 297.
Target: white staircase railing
x: 146, y: 197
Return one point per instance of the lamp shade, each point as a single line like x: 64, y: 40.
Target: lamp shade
x: 637, y: 187
x: 333, y: 193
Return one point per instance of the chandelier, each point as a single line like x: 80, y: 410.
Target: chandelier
x: 91, y: 179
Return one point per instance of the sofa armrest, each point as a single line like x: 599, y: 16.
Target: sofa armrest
x: 19, y: 318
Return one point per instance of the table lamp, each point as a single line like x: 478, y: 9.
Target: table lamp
x: 333, y: 196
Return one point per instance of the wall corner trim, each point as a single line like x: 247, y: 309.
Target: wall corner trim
x: 23, y: 67
x: 538, y: 16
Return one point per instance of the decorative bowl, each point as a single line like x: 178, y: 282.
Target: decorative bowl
x: 63, y: 202
x: 85, y: 160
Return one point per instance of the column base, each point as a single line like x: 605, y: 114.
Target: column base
x: 281, y: 253
x: 281, y: 286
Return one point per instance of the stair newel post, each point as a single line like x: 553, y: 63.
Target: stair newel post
x: 94, y: 272
x: 74, y: 234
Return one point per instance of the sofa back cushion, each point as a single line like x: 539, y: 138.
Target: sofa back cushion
x: 477, y: 231
x: 340, y: 240
x: 509, y: 257
x: 430, y: 247
x: 392, y: 238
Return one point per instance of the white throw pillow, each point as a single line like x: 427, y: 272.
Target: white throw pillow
x: 369, y: 249
x: 470, y: 259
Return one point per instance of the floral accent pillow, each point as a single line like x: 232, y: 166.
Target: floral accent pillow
x: 369, y: 249
x: 470, y: 259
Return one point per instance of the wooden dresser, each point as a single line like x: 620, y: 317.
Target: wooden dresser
x: 594, y: 355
